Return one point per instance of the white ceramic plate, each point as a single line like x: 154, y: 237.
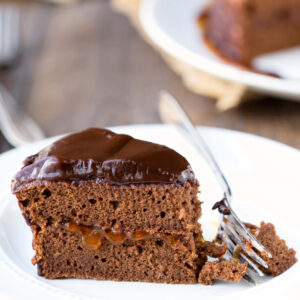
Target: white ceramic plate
x: 264, y: 176
x: 171, y: 25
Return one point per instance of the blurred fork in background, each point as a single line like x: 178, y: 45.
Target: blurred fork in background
x: 9, y: 33
x: 16, y: 126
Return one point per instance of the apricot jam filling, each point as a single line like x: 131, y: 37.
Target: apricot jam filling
x: 93, y: 236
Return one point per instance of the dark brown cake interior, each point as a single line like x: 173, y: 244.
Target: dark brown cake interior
x: 144, y: 260
x: 144, y: 207
x: 222, y: 270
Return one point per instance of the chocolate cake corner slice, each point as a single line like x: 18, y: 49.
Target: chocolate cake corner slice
x: 240, y: 30
x: 107, y: 206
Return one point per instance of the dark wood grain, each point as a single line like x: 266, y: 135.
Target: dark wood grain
x: 85, y: 65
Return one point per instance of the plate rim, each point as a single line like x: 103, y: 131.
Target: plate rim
x: 260, y: 82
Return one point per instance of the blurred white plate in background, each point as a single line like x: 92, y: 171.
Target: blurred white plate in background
x: 264, y: 176
x: 171, y: 25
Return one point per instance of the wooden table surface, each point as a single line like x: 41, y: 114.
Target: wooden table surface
x: 85, y: 65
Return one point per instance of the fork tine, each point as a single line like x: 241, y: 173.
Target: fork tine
x: 236, y: 238
x: 239, y: 227
x: 244, y: 233
x: 251, y: 265
x: 249, y: 279
x: 233, y: 249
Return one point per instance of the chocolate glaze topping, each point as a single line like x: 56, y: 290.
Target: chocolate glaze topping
x: 101, y: 154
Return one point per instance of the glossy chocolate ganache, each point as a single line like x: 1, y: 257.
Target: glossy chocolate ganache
x: 101, y: 154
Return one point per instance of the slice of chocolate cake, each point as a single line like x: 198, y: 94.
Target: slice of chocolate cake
x: 108, y: 206
x: 242, y: 29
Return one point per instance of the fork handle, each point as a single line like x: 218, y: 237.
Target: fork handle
x: 172, y: 112
x: 16, y: 126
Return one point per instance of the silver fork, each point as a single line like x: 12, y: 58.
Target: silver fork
x: 231, y: 228
x: 16, y: 126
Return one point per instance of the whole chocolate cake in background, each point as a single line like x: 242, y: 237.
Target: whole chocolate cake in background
x: 107, y: 206
x: 243, y: 29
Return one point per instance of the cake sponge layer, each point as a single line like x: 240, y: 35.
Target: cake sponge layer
x: 61, y: 254
x: 133, y: 207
